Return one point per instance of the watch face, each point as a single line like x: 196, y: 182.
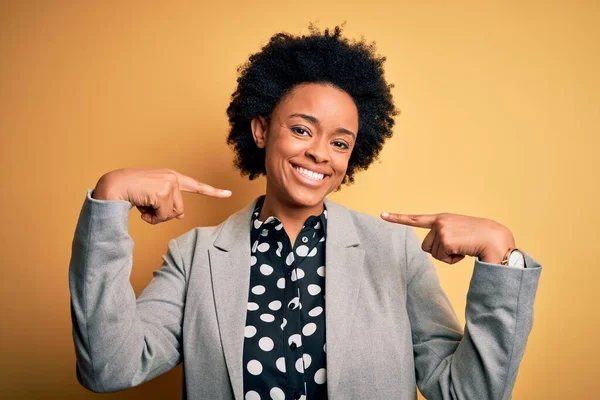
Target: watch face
x: 516, y: 259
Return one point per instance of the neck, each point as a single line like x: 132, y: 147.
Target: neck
x: 291, y: 216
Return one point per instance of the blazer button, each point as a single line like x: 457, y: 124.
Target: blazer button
x: 293, y: 346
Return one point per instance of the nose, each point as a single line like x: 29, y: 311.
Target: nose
x: 318, y: 150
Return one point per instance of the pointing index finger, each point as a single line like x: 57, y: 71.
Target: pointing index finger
x: 191, y: 185
x: 417, y: 220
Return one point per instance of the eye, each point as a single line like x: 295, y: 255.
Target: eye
x: 341, y: 145
x: 300, y: 131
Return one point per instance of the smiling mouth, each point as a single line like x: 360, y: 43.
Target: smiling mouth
x: 315, y: 176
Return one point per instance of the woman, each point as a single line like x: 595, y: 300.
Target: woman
x: 246, y: 305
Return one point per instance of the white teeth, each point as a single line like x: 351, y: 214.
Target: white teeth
x: 310, y: 174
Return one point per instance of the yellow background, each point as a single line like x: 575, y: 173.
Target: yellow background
x: 500, y: 119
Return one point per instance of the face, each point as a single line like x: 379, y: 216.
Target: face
x: 307, y: 142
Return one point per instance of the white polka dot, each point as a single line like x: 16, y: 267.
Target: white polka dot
x: 307, y: 360
x: 309, y: 329
x: 299, y: 365
x: 278, y: 227
x: 258, y: 289
x: 266, y: 344
x: 277, y: 394
x: 266, y: 269
x: 263, y: 247
x: 295, y: 338
x: 279, y: 248
x: 264, y: 232
x: 325, y: 213
x: 275, y: 305
x: 280, y: 363
x: 321, y: 376
x: 252, y: 395
x: 254, y: 367
x: 302, y: 251
x: 314, y: 289
x: 267, y: 317
x: 249, y: 331
x: 313, y: 252
x: 322, y: 239
x: 252, y: 262
x: 325, y: 348
x: 252, y: 306
x: 284, y: 323
x: 281, y: 283
x: 297, y: 273
x: 318, y: 225
x: 316, y: 311
x: 254, y: 246
x: 321, y: 271
x: 289, y: 259
x: 257, y: 223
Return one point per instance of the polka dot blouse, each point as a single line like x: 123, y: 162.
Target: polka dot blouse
x: 284, y: 345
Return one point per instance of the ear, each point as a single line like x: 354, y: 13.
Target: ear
x: 259, y: 131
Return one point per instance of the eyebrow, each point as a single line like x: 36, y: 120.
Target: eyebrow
x: 314, y: 120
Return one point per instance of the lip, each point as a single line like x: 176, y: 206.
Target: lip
x: 306, y: 180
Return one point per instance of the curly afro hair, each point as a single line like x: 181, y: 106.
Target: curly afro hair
x: 319, y: 57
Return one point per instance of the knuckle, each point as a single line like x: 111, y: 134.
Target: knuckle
x: 443, y: 237
x: 169, y: 184
x: 171, y: 176
x: 168, y: 187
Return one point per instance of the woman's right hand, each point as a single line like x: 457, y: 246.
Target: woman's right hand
x: 155, y: 192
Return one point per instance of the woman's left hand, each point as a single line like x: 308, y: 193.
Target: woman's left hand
x: 454, y: 236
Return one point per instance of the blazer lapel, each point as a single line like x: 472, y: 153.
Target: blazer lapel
x: 230, y: 271
x: 344, y: 269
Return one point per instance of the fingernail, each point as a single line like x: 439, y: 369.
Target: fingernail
x: 227, y: 192
x: 385, y: 214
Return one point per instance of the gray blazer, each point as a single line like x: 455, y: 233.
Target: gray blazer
x: 389, y: 325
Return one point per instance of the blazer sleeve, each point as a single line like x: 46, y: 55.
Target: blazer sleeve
x: 121, y: 341
x: 481, y: 360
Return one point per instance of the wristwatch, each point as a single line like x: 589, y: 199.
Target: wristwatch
x: 514, y: 258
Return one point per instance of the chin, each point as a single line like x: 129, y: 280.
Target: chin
x: 303, y: 198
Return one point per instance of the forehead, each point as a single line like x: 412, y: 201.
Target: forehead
x: 330, y: 105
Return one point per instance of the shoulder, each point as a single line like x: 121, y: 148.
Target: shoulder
x: 202, y: 236
x: 370, y: 229
x: 228, y: 233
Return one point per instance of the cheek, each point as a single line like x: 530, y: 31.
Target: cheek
x: 340, y: 163
x: 283, y: 148
x: 276, y: 154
